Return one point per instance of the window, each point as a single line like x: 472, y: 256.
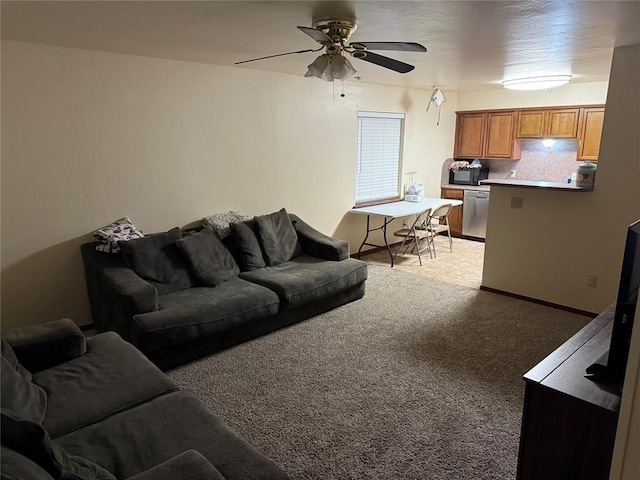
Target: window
x: 378, y: 152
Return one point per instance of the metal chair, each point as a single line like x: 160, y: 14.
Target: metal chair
x: 437, y: 223
x: 414, y: 234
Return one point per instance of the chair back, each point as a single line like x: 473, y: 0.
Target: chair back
x: 442, y: 211
x: 421, y: 219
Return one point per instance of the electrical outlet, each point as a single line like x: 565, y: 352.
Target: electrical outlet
x: 512, y: 173
x: 592, y: 281
x: 516, y: 202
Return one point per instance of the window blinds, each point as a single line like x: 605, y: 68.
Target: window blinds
x: 378, y: 151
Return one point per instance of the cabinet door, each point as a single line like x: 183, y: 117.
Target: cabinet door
x: 531, y: 124
x: 470, y: 129
x: 563, y: 123
x: 591, y: 121
x: 455, y: 217
x: 500, y: 135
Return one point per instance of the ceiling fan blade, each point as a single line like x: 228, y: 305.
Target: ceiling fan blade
x: 317, y: 35
x: 279, y: 55
x: 382, y: 61
x: 396, y: 46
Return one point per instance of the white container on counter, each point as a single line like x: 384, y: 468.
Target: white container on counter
x: 586, y: 174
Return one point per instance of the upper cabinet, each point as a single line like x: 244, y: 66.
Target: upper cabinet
x: 496, y: 134
x: 591, y: 120
x: 548, y: 123
x: 470, y: 134
x: 486, y: 135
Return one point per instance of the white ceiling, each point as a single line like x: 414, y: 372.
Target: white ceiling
x: 472, y: 45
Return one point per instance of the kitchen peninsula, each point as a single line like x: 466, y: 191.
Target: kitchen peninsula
x: 567, y: 187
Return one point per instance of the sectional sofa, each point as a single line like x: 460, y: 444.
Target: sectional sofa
x: 180, y: 295
x: 96, y: 408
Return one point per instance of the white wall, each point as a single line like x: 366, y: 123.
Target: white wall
x: 89, y: 137
x: 547, y: 249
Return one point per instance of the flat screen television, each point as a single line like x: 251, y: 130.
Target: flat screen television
x: 612, y: 365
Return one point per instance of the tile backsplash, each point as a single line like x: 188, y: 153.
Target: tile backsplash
x: 537, y: 162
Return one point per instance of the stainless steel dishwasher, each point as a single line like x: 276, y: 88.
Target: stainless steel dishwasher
x: 474, y: 213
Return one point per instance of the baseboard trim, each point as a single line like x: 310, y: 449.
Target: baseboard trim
x: 541, y: 302
x: 87, y: 327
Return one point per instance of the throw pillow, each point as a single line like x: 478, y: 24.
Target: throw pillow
x: 120, y: 230
x: 210, y: 261
x: 248, y: 245
x: 18, y: 395
x: 156, y: 258
x: 278, y: 237
x: 32, y: 440
x: 221, y: 222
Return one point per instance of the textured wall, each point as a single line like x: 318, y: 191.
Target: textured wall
x: 89, y: 137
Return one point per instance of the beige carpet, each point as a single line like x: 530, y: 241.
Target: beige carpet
x: 418, y: 380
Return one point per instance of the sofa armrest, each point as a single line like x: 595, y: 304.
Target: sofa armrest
x: 318, y: 244
x: 44, y: 346
x: 189, y: 464
x: 139, y: 295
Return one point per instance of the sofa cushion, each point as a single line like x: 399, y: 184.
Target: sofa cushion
x: 189, y: 465
x: 248, y: 246
x: 20, y: 397
x: 10, y: 356
x: 156, y: 258
x: 210, y: 261
x: 278, y: 237
x: 115, y: 373
x: 195, y: 313
x: 305, y: 278
x: 31, y: 440
x: 156, y: 431
x: 15, y: 466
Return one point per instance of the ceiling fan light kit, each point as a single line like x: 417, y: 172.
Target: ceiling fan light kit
x: 330, y: 67
x: 331, y: 33
x: 536, y: 83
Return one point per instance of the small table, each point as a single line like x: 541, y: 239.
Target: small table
x: 393, y: 210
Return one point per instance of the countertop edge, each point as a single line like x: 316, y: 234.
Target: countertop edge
x: 565, y: 187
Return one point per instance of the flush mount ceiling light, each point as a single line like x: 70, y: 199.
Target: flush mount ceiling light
x: 536, y: 83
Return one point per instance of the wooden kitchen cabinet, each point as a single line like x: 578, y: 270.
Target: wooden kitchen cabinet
x: 563, y: 123
x: 531, y: 124
x: 548, y: 123
x: 470, y: 132
x: 455, y: 217
x: 500, y: 140
x: 591, y: 121
x: 486, y: 135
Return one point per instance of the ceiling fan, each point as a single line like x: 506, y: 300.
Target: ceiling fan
x: 332, y: 33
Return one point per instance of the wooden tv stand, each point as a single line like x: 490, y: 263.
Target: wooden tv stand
x: 569, y: 422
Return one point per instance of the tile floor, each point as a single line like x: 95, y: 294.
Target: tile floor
x: 462, y: 267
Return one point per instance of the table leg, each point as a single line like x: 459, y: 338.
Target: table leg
x: 386, y: 243
x: 386, y: 221
x: 364, y: 242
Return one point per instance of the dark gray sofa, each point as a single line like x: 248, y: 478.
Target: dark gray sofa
x: 273, y: 271
x: 96, y: 408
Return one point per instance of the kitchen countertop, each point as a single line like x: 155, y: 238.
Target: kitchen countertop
x: 483, y: 188
x: 567, y: 187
